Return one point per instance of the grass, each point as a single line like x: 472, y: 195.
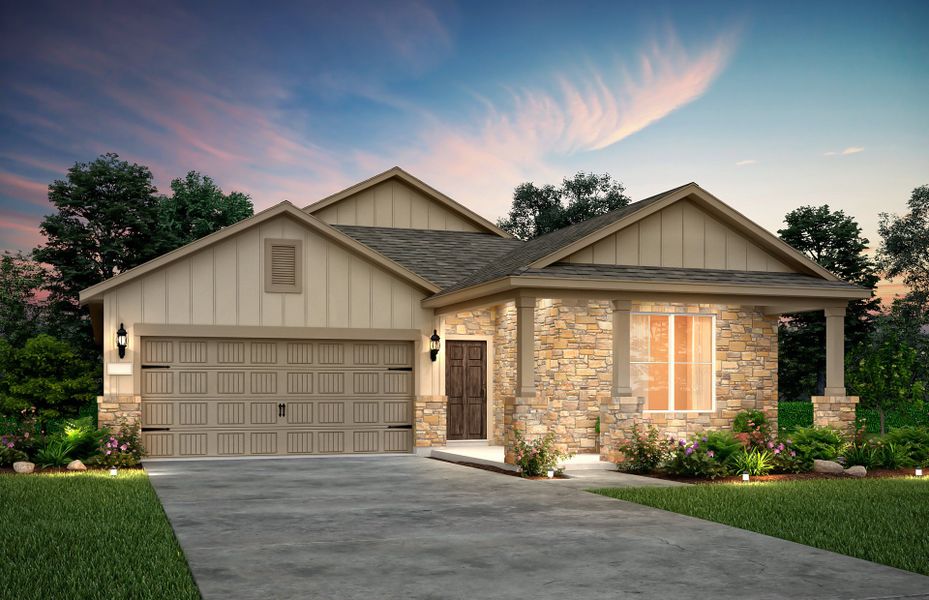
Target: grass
x: 88, y: 535
x: 881, y: 520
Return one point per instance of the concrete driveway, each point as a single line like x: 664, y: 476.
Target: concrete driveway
x: 408, y: 527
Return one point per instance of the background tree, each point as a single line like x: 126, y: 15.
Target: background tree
x: 539, y: 210
x: 904, y: 253
x: 22, y: 304
x: 198, y: 207
x: 832, y: 239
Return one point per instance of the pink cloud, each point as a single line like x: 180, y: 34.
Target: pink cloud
x: 20, y: 187
x: 19, y: 231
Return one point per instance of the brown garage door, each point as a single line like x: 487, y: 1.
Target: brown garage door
x: 235, y: 397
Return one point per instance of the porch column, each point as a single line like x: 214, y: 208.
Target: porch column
x: 834, y: 408
x: 622, y: 328
x: 525, y: 346
x: 524, y: 410
x: 835, y: 351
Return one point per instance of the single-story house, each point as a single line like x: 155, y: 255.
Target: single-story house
x: 390, y: 318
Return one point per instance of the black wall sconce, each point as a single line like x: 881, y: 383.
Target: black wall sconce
x: 122, y: 340
x: 434, y: 345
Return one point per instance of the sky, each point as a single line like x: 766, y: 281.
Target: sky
x: 769, y: 106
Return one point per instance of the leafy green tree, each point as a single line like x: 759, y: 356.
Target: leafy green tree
x: 539, y: 210
x: 48, y: 374
x: 884, y: 376
x: 904, y: 252
x: 197, y: 208
x: 832, y: 239
x: 23, y: 310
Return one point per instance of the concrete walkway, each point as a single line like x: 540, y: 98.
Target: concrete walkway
x: 408, y: 527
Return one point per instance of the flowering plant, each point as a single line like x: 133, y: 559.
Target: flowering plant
x: 121, y: 449
x: 538, y: 456
x: 644, y: 451
x: 695, y: 458
x: 9, y: 451
x: 785, y: 458
x: 751, y: 428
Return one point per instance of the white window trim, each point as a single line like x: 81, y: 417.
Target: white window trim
x: 671, y: 362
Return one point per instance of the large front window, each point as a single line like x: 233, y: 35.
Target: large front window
x: 672, y: 361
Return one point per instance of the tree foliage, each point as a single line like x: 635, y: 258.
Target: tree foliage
x: 48, y: 374
x: 832, y: 239
x: 904, y: 253
x: 22, y: 305
x: 196, y: 208
x: 539, y: 210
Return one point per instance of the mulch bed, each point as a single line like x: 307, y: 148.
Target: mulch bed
x: 875, y: 474
x: 39, y: 471
x: 494, y: 469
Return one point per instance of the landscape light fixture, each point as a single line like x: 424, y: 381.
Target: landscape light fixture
x: 122, y: 339
x: 919, y: 471
x: 434, y: 345
x: 744, y: 476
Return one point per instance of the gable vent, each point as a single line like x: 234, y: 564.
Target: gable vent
x: 283, y: 265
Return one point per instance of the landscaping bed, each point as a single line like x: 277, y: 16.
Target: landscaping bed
x: 502, y: 471
x: 872, y: 474
x: 878, y: 519
x: 88, y: 535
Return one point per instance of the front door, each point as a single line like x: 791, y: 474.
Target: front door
x: 466, y: 387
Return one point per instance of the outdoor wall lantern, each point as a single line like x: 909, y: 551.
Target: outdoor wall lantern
x: 122, y: 338
x: 434, y: 345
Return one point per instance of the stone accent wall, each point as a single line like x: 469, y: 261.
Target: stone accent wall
x: 504, y: 367
x: 429, y: 421
x: 617, y: 415
x: 114, y: 410
x: 835, y: 411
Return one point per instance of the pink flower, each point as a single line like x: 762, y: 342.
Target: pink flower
x: 123, y: 447
x: 108, y: 452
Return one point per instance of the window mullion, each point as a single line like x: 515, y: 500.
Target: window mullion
x: 671, y: 362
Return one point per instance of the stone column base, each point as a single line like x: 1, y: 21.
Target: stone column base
x: 112, y: 411
x: 528, y: 414
x: 617, y: 415
x: 837, y: 412
x: 430, y: 420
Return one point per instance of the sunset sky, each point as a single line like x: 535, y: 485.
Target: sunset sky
x: 767, y: 107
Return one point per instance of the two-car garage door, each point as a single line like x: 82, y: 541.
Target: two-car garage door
x: 243, y: 397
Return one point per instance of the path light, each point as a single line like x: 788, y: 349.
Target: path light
x: 919, y: 471
x: 122, y: 339
x: 744, y: 476
x: 551, y: 473
x: 434, y: 344
x: 113, y: 472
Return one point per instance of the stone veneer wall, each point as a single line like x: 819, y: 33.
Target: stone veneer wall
x: 837, y: 412
x: 114, y: 410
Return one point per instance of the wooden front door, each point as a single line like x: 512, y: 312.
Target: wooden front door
x: 466, y: 387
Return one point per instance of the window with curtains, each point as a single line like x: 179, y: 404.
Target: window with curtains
x: 672, y: 361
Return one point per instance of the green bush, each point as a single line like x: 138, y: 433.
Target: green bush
x: 533, y: 458
x: 822, y: 443
x: 124, y: 448
x: 791, y: 415
x: 752, y: 422
x: 56, y: 453
x: 83, y: 435
x: 723, y: 444
x: 914, y: 441
x: 9, y: 452
x: 893, y: 456
x: 870, y: 418
x: 753, y: 461
x: 867, y: 454
x: 643, y: 451
x: 695, y: 459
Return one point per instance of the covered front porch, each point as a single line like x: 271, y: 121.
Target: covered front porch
x: 587, y: 359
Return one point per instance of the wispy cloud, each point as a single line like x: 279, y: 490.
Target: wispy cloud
x: 745, y: 163
x: 846, y: 152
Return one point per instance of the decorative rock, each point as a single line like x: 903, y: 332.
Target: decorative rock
x: 827, y: 466
x: 23, y: 466
x: 76, y: 465
x: 856, y: 471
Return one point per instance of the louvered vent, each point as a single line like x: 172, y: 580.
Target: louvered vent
x: 283, y: 265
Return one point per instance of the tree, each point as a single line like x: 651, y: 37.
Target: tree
x: 106, y: 222
x: 22, y: 305
x: 904, y: 252
x: 197, y: 208
x: 539, y: 210
x: 48, y: 374
x: 832, y: 239
x: 884, y: 376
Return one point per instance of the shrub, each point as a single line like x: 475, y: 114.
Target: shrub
x: 695, y: 459
x: 785, y: 458
x: 753, y: 461
x: 723, y: 443
x: 83, y: 435
x: 644, y: 451
x: 123, y: 448
x: 56, y: 453
x: 24, y: 431
x: 751, y: 428
x: 9, y: 453
x: 911, y: 416
x: 791, y: 415
x: 863, y: 453
x: 533, y: 458
x: 822, y: 443
x: 893, y: 456
x: 914, y: 441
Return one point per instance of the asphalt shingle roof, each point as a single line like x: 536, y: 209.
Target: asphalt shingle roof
x: 442, y: 257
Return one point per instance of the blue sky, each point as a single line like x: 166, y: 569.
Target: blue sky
x: 768, y: 107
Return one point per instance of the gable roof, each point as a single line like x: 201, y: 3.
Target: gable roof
x: 442, y: 257
x: 548, y: 249
x: 398, y: 173
x: 285, y: 208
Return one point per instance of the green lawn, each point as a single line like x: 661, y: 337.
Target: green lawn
x: 88, y: 535
x: 881, y: 520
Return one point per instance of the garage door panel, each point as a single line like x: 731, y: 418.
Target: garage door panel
x: 223, y: 397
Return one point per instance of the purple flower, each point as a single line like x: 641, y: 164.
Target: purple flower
x: 704, y: 438
x: 689, y: 451
x: 9, y: 445
x: 710, y: 453
x: 696, y: 445
x: 681, y: 442
x: 770, y: 444
x: 789, y: 442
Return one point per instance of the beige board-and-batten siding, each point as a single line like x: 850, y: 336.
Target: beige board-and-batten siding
x: 222, y: 285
